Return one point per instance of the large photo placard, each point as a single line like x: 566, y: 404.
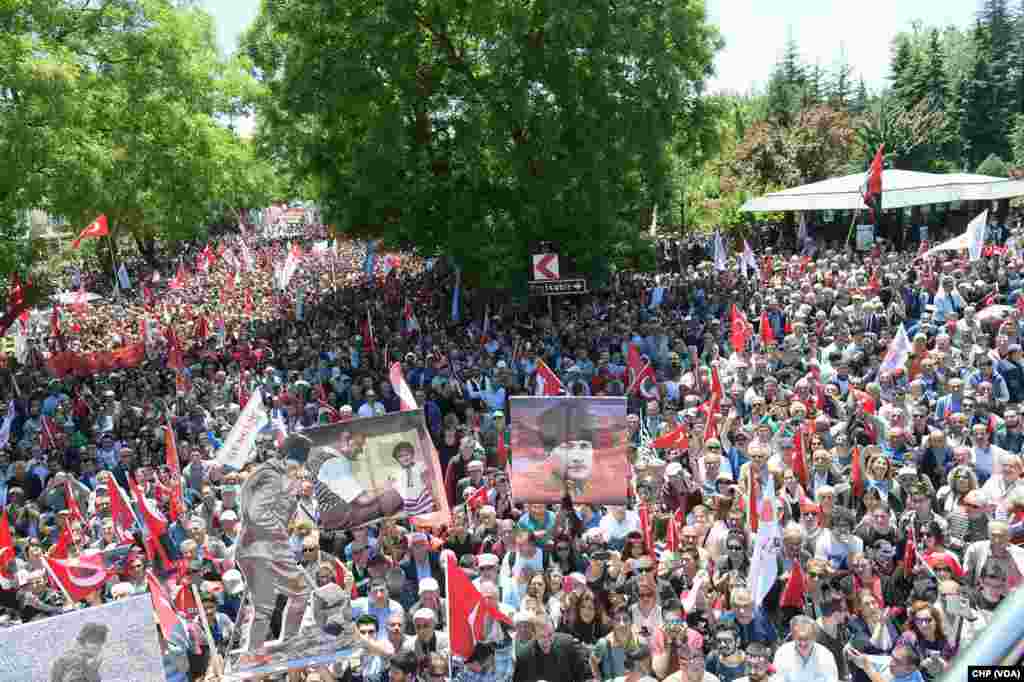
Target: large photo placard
x: 381, y: 467
x: 116, y: 642
x: 569, y: 445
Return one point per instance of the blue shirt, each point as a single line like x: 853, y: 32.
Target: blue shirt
x: 363, y: 605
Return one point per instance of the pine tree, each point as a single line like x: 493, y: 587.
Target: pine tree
x: 786, y: 85
x: 792, y: 69
x: 860, y: 99
x: 1019, y: 59
x: 981, y: 128
x: 934, y: 72
x: 901, y: 63
x: 997, y: 21
x: 813, y: 87
x: 841, y: 87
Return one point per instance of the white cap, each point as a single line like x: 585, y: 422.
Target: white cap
x: 673, y: 469
x: 424, y: 614
x: 486, y: 560
x: 232, y: 580
x: 429, y: 585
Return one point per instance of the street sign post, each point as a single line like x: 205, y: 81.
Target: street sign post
x: 560, y: 287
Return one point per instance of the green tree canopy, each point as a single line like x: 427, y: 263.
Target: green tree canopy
x: 121, y: 108
x: 479, y: 129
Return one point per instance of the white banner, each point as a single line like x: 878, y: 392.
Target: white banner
x: 764, y: 565
x: 976, y: 235
x: 122, y: 278
x: 237, y: 449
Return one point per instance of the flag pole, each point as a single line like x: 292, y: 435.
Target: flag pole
x: 56, y: 580
x: 113, y: 263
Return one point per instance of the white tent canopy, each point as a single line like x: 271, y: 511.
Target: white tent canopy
x: 899, y: 189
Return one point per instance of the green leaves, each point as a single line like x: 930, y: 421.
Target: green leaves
x: 122, y: 108
x: 480, y: 129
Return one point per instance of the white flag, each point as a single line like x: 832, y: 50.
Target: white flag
x: 237, y: 449
x: 749, y: 261
x: 764, y: 566
x: 291, y: 264
x: 405, y: 396
x: 20, y: 342
x: 5, y: 428
x: 899, y: 351
x: 976, y: 235
x: 122, y: 278
x: 720, y: 257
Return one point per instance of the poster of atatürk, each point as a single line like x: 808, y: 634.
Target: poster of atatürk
x: 379, y: 467
x: 569, y: 445
x: 116, y: 642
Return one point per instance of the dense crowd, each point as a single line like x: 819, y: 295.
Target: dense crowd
x: 896, y: 493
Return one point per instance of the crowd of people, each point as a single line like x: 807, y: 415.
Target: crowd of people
x: 896, y: 493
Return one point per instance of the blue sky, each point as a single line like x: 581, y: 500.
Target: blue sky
x: 755, y: 32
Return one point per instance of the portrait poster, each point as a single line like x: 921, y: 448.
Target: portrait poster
x: 381, y: 467
x: 116, y: 642
x: 574, y: 445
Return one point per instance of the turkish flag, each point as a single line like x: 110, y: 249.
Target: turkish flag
x: 740, y: 331
x: 799, y: 460
x: 767, y: 335
x: 97, y: 228
x: 121, y: 512
x: 467, y: 610
x: 676, y: 439
x: 154, y: 521
x: 64, y: 540
x: 72, y: 503
x: 548, y: 382
x: 796, y: 587
x: 873, y: 184
x: 165, y: 614
x: 477, y: 499
x: 753, y: 499
x: 856, y: 475
x: 185, y: 600
x: 639, y: 372
x: 6, y: 541
x: 502, y: 452
x: 79, y: 577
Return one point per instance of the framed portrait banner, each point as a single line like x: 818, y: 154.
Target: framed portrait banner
x: 380, y: 467
x: 569, y: 445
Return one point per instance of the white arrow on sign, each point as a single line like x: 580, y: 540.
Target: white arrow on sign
x: 545, y: 266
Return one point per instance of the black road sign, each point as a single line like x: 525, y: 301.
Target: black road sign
x: 559, y: 287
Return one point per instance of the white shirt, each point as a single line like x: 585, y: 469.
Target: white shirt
x: 680, y: 676
x: 612, y: 529
x: 820, y: 666
x: 336, y: 474
x: 828, y: 548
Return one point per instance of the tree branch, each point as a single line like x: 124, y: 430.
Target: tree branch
x: 456, y: 59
